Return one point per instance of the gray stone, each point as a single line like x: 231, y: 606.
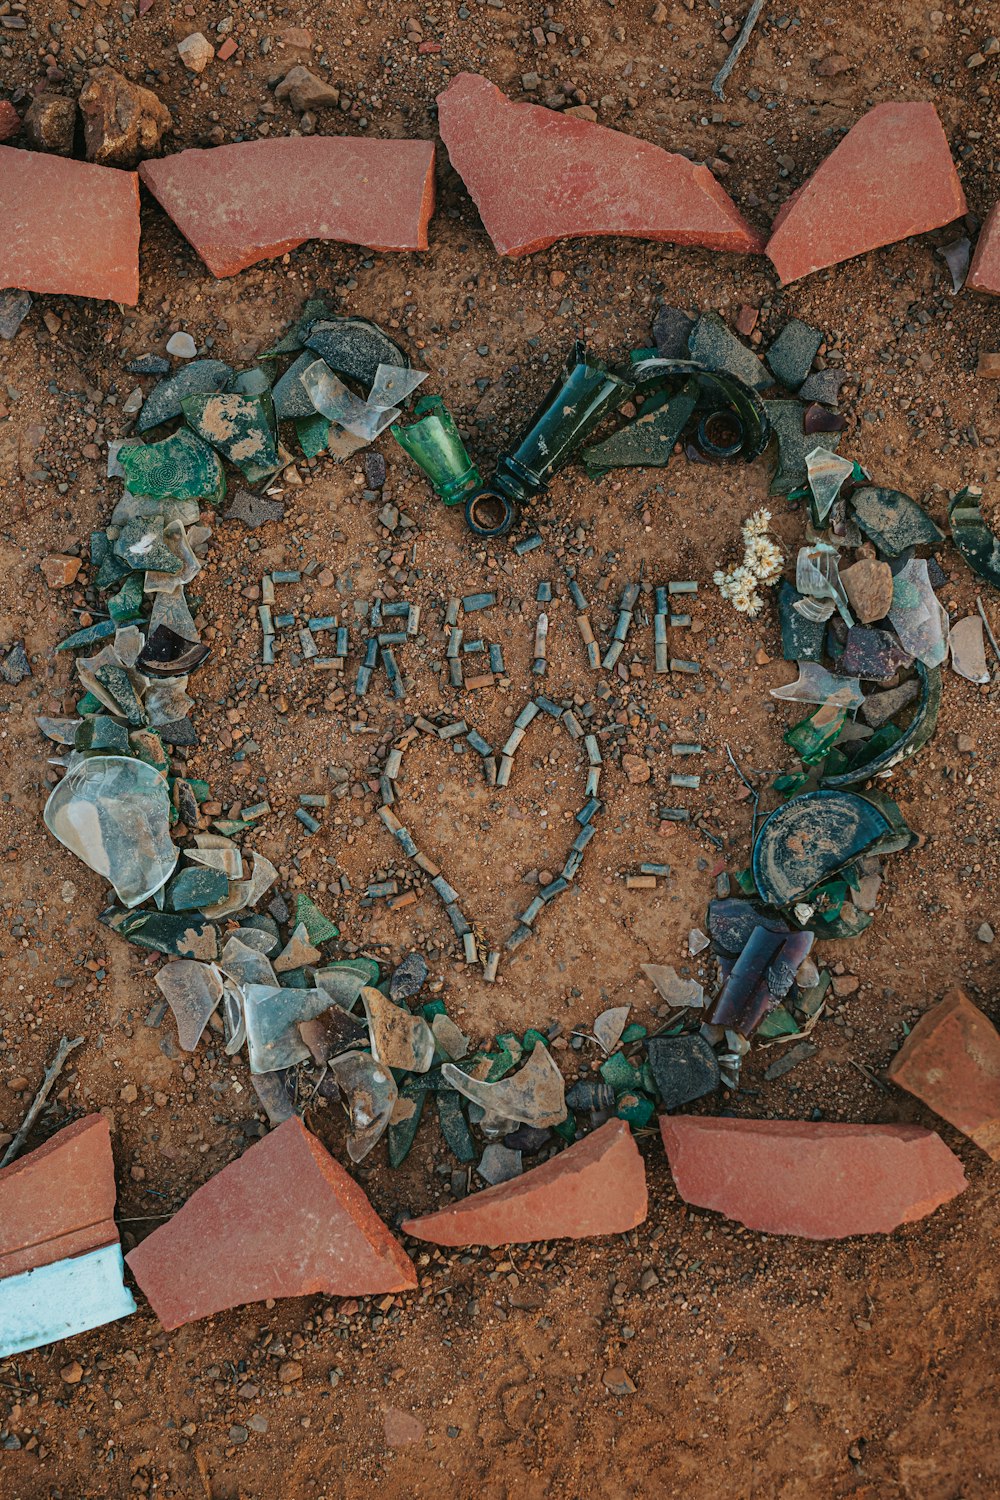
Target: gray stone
x: 671, y: 332
x: 717, y: 348
x: 878, y: 708
x: 201, y: 377
x: 14, y: 308
x: 253, y: 510
x: 823, y: 386
x: 792, y: 353
x: 684, y: 1068
x: 408, y: 978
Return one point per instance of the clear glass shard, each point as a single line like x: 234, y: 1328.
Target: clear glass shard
x: 399, y: 1039
x: 816, y: 685
x: 917, y: 616
x: 683, y: 994
x: 817, y: 575
x: 297, y: 951
x: 167, y: 700
x: 449, y: 1039
x: 272, y: 1017
x: 534, y: 1095
x: 826, y: 473
x: 193, y: 991
x: 113, y: 813
x: 609, y: 1025
x: 333, y: 400
x: 392, y: 385
x: 246, y: 965
x: 234, y: 1025
x: 370, y: 1093
x: 262, y: 877
x: 968, y: 650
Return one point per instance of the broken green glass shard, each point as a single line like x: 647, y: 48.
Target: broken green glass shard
x: 793, y: 444
x: 354, y: 348
x: 913, y: 737
x: 620, y: 1074
x: 178, y: 935
x: 717, y: 393
x: 712, y: 344
x: 648, y: 442
x: 196, y: 887
x: 113, y: 813
x: 892, y: 520
x: 89, y: 636
x: 370, y: 1094
x: 193, y: 991
x: 454, y: 1127
x: 801, y: 638
x: 102, y: 735
x: 635, y: 1108
x: 399, y: 1039
x: 434, y: 443
x: 534, y: 1095
x: 181, y: 467
x: 978, y: 544
x: 816, y: 685
x: 791, y: 354
x: 111, y: 571
x: 128, y: 603
x: 141, y: 545
x: 403, y: 1125
x: 318, y: 926
x: 237, y: 427
x: 313, y: 433
x: 811, y: 838
x: 813, y: 737
x: 174, y: 537
x: 313, y: 309
x: 165, y: 400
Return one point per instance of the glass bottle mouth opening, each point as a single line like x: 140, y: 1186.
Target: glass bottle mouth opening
x: 720, y: 434
x: 489, y: 513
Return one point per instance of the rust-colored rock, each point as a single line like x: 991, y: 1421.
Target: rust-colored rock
x: 984, y: 273
x: 890, y: 177
x: 241, y: 204
x: 597, y: 1186
x: 537, y: 177
x: 122, y: 121
x: 10, y: 120
x: 60, y: 569
x: 951, y: 1061
x: 821, y: 1181
x: 50, y: 123
x: 285, y: 1220
x: 59, y: 1200
x: 68, y: 227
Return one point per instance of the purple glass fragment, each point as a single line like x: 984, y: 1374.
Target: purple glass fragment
x: 732, y: 920
x: 745, y: 998
x: 873, y: 655
x: 786, y: 963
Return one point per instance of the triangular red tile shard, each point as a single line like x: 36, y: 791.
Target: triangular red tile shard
x: 537, y: 176
x: 984, y: 273
x: 596, y: 1186
x: 68, y: 227
x: 890, y: 177
x: 951, y: 1060
x: 59, y: 1200
x: 818, y: 1180
x: 284, y: 1220
x: 240, y: 204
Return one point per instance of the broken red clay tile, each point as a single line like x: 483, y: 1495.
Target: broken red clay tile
x: 984, y: 273
x: 537, y: 176
x: 597, y: 1186
x: 241, y: 204
x: 59, y: 1200
x: 68, y: 227
x: 951, y: 1061
x: 890, y: 177
x: 285, y: 1220
x: 822, y: 1181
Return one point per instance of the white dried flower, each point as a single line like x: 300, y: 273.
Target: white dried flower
x: 762, y: 563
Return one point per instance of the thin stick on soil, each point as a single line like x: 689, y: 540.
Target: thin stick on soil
x: 51, y: 1074
x: 753, y: 16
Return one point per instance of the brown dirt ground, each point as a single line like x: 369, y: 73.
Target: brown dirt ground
x: 761, y: 1367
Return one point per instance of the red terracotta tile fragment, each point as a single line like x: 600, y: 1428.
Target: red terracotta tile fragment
x: 984, y: 273
x: 597, y: 1186
x: 817, y: 1180
x: 68, y: 227
x: 285, y: 1220
x: 241, y: 204
x: 890, y: 177
x: 59, y: 1200
x: 951, y: 1060
x: 537, y: 176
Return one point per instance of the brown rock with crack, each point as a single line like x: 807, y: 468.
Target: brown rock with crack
x: 868, y: 585
x: 241, y: 204
x: 68, y: 227
x: 821, y: 1181
x: 304, y: 90
x: 951, y: 1061
x: 537, y: 177
x: 890, y: 177
x: 50, y: 123
x: 59, y: 1200
x: 122, y: 122
x: 596, y: 1186
x: 984, y: 273
x: 285, y: 1220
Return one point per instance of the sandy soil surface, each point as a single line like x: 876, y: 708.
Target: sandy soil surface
x: 760, y: 1367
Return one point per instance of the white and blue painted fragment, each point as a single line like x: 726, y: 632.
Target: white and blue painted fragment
x: 67, y: 1297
